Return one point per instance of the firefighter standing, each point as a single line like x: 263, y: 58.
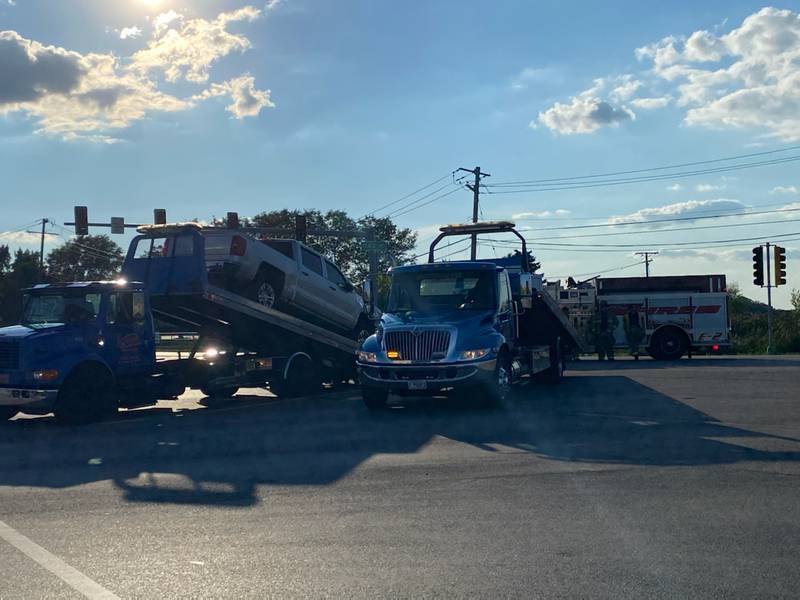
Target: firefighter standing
x: 634, y: 334
x: 602, y: 327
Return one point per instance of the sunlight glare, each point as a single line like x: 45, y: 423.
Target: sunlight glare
x: 152, y: 3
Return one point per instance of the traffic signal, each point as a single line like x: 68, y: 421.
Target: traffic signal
x: 233, y: 220
x: 758, y: 265
x: 780, y: 265
x: 159, y: 216
x: 81, y: 220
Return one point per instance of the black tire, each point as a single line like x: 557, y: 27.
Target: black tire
x: 363, y: 329
x: 264, y: 291
x: 7, y: 413
x: 555, y: 372
x: 219, y: 393
x: 375, y: 398
x: 85, y: 396
x: 301, y: 380
x: 498, y: 391
x: 668, y: 344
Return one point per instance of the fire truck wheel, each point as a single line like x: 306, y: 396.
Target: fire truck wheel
x: 669, y: 343
x: 8, y: 412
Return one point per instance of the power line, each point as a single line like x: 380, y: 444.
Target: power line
x: 453, y: 191
x: 425, y: 187
x: 666, y: 244
x: 674, y: 229
x: 612, y: 269
x: 670, y: 220
x: 660, y: 168
x: 535, y: 187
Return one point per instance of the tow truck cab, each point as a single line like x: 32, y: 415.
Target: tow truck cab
x: 445, y: 324
x: 102, y: 328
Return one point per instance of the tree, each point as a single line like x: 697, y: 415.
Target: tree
x: 15, y: 276
x: 796, y: 300
x: 532, y: 263
x: 85, y: 258
x: 349, y: 253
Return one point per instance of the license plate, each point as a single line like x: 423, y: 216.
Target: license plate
x: 4, y: 378
x: 417, y: 385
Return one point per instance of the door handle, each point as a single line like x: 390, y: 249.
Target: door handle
x: 304, y: 273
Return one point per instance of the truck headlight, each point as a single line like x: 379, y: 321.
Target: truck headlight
x: 474, y: 354
x: 46, y: 375
x: 367, y: 357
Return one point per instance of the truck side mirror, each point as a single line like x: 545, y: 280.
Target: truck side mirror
x: 367, y: 290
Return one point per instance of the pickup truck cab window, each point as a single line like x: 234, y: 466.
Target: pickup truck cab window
x: 285, y: 247
x: 334, y: 275
x: 312, y: 262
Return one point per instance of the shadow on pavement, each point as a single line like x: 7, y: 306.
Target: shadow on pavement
x: 219, y: 455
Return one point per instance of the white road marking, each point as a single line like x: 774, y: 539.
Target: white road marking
x: 71, y: 576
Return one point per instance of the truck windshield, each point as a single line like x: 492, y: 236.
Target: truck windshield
x: 442, y: 291
x: 57, y: 308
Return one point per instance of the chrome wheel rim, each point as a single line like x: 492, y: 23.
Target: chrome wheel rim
x: 266, y: 295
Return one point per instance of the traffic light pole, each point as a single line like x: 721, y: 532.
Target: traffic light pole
x: 769, y: 302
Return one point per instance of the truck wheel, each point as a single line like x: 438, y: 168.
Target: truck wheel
x: 7, y: 412
x: 84, y: 397
x: 668, y: 344
x: 375, y: 398
x: 499, y: 389
x: 555, y: 371
x: 363, y: 329
x: 263, y: 291
x: 300, y: 380
x: 219, y: 393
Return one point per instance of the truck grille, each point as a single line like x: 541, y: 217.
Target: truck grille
x: 424, y: 345
x: 9, y: 355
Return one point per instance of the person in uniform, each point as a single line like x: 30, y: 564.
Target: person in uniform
x: 634, y: 334
x: 601, y: 328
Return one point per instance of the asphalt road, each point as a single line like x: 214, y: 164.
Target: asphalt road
x: 629, y: 480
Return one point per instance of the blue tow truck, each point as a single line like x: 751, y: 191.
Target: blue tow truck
x: 83, y: 350
x: 476, y: 327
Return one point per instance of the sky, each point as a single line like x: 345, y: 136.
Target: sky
x: 203, y: 107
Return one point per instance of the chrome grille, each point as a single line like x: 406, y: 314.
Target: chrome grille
x: 9, y: 355
x: 425, y: 344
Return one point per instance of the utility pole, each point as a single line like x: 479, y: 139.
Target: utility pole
x: 475, y: 187
x: 41, y: 245
x: 769, y: 303
x: 647, y: 261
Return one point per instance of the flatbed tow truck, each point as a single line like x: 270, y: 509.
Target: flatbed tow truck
x: 470, y: 327
x: 82, y: 350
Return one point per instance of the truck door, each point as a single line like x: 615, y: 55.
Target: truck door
x: 343, y: 300
x: 505, y: 312
x: 313, y: 291
x: 128, y: 347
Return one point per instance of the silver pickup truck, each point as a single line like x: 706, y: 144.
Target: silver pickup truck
x: 288, y: 276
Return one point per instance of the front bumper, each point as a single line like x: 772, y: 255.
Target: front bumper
x: 27, y: 398
x: 422, y: 378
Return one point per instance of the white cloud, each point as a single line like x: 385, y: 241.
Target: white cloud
x: 709, y: 187
x: 588, y: 111
x: 90, y: 96
x: 651, y: 103
x: 188, y: 51
x: 691, y: 208
x: 130, y: 33
x: 531, y: 75
x: 23, y: 238
x: 675, y: 187
x: 559, y: 212
x: 162, y: 22
x: 754, y: 81
x: 583, y: 115
x: 780, y: 189
x: 247, y: 101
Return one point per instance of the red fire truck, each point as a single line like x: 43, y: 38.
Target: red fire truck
x: 678, y: 314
